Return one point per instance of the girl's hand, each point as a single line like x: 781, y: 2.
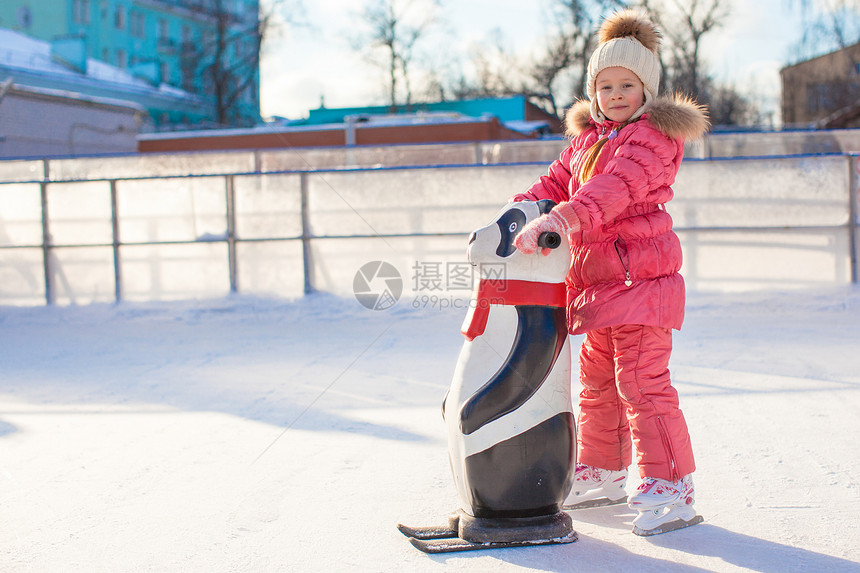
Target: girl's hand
x: 553, y: 222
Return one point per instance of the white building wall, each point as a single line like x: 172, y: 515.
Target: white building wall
x: 42, y: 124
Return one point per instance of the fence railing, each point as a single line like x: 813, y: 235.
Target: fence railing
x: 743, y: 223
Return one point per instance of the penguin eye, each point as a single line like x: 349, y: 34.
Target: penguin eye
x: 513, y: 227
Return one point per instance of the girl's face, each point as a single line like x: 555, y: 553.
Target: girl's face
x: 619, y: 93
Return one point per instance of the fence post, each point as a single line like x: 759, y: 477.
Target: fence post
x: 114, y: 219
x: 231, y: 233
x: 46, y: 244
x: 854, y: 209
x: 307, y: 257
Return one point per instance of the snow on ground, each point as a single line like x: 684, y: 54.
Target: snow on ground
x: 269, y: 435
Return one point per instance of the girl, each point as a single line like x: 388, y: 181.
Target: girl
x: 624, y: 291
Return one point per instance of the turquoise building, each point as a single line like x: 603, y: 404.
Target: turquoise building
x: 209, y: 48
x: 516, y: 112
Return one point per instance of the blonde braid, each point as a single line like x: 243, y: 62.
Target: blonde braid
x: 593, y: 153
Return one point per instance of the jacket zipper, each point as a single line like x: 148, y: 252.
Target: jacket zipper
x: 627, y: 281
x: 670, y: 453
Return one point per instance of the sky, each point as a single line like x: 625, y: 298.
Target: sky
x: 303, y: 65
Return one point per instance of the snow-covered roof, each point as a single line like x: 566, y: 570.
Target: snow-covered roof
x: 361, y: 121
x: 257, y: 130
x: 524, y: 126
x: 30, y: 55
x: 67, y: 95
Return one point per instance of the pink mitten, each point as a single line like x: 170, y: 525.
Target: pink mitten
x: 562, y: 220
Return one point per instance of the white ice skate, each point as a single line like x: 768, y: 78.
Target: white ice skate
x: 595, y: 487
x: 663, y: 506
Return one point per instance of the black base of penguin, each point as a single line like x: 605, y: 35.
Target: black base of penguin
x: 467, y: 533
x: 453, y: 544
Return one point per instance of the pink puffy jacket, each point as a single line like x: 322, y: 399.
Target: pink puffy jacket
x: 625, y: 258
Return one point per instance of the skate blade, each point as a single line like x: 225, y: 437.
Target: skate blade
x: 667, y: 527
x: 600, y: 502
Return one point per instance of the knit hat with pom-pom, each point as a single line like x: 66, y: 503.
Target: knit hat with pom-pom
x: 629, y: 40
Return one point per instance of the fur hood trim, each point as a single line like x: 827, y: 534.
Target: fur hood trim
x: 677, y: 117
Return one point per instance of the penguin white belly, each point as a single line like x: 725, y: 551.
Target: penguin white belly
x: 481, y: 359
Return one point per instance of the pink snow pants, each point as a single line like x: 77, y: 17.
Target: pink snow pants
x: 626, y: 392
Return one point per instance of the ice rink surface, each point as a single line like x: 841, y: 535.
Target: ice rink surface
x: 248, y: 434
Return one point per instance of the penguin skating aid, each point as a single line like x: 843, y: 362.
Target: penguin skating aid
x: 511, y: 428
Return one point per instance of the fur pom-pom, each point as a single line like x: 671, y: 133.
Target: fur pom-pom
x: 630, y: 23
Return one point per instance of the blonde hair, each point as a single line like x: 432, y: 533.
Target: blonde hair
x: 593, y: 154
x: 591, y: 160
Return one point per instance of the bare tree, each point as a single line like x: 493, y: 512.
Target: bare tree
x: 828, y: 25
x: 684, y: 24
x: 557, y: 58
x: 497, y: 72
x: 566, y: 52
x: 231, y: 78
x: 726, y: 106
x: 569, y: 46
x: 831, y: 26
x: 396, y: 27
x: 228, y: 57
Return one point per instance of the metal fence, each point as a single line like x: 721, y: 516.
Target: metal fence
x: 70, y: 238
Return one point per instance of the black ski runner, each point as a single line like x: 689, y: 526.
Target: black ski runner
x: 428, y: 532
x: 452, y: 544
